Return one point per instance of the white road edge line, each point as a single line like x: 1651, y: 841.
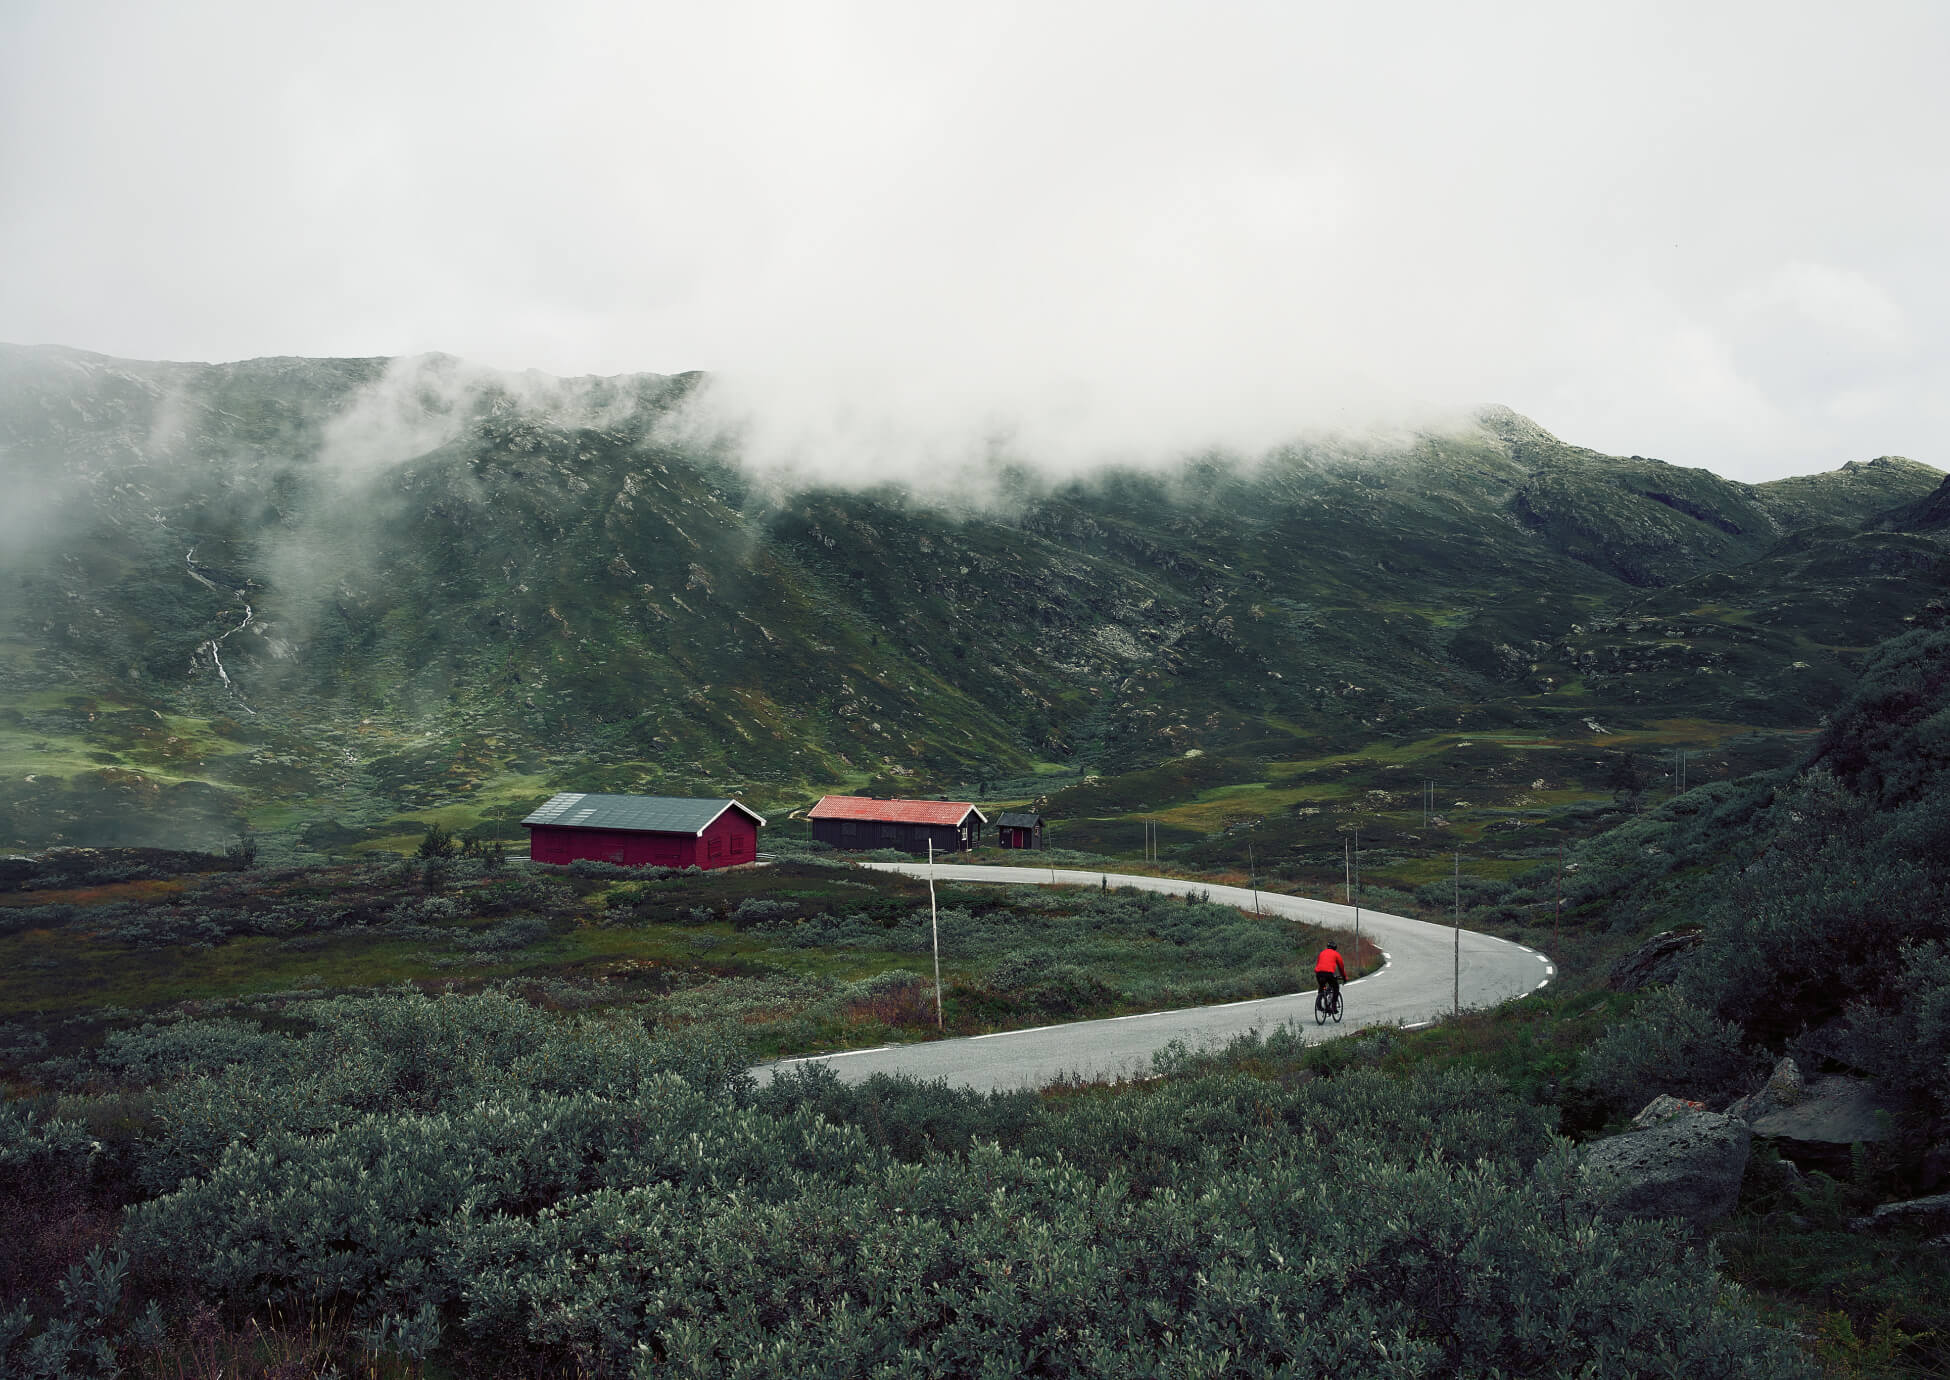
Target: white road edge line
x: 836, y: 1054
x: 1026, y: 1030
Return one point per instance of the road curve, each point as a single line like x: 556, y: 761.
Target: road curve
x: 1416, y: 985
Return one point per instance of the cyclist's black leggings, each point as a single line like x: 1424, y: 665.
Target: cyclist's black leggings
x: 1328, y: 982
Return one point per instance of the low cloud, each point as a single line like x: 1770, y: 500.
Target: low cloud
x: 913, y: 238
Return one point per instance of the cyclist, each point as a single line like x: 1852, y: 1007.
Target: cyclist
x: 1330, y: 973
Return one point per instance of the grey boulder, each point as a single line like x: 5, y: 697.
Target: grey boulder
x: 1833, y: 1115
x: 1917, y: 1214
x: 1784, y: 1089
x: 1687, y: 1165
x: 1659, y: 959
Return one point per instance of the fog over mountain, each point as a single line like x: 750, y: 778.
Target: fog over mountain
x: 1073, y: 234
x: 361, y: 585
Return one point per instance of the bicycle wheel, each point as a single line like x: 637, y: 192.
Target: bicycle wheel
x: 1320, y: 1008
x: 1337, y: 1008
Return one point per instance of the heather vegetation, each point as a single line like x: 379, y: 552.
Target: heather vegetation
x: 473, y: 1182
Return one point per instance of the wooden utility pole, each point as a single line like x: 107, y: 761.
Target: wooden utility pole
x: 934, y: 920
x: 1357, y: 893
x: 1252, y: 871
x: 1557, y: 909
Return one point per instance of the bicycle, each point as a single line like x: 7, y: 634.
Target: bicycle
x: 1327, y: 1005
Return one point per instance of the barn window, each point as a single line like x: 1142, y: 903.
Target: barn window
x: 717, y: 848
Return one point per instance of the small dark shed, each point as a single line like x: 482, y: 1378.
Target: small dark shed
x: 1018, y: 829
x: 644, y: 830
x: 856, y: 821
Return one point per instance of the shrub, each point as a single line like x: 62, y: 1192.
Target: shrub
x: 756, y: 912
x: 1195, y: 1226
x: 893, y: 998
x: 1903, y: 1037
x: 1805, y: 927
x: 15, y: 919
x: 1475, y: 891
x: 30, y: 1140
x: 405, y: 1053
x: 787, y: 846
x: 158, y: 1053
x: 1391, y: 900
x: 590, y: 867
x: 906, y: 1118
x: 428, y: 910
x: 516, y: 932
x: 159, y: 927
x: 1673, y: 1045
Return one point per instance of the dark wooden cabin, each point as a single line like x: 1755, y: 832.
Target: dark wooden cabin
x: 1018, y: 829
x: 856, y: 821
x: 644, y: 830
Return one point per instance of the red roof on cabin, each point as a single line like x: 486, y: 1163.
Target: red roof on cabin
x: 949, y: 812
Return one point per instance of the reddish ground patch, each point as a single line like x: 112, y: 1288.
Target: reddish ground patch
x: 96, y: 895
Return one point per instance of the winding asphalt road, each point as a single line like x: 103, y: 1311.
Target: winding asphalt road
x: 1416, y: 985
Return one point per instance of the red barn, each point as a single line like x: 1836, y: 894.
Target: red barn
x: 643, y: 830
x: 857, y: 821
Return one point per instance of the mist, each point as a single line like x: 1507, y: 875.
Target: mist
x: 907, y: 238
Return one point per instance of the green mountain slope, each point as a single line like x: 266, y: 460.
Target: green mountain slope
x: 291, y: 589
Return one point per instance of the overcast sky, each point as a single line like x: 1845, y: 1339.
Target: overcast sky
x: 1709, y: 232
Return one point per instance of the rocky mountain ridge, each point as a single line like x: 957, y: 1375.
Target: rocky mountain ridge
x: 292, y: 587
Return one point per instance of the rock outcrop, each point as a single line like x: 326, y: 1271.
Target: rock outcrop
x: 1657, y: 960
x: 1821, y: 1128
x: 1916, y: 1214
x: 1665, y: 1107
x: 1784, y: 1089
x: 1688, y: 1164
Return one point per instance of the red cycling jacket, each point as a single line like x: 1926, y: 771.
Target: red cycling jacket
x: 1330, y: 962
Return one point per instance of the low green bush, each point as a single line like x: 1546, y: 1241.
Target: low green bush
x: 1901, y: 1035
x: 153, y: 1054
x: 758, y: 911
x: 1806, y: 927
x: 1215, y: 1225
x: 505, y: 936
x: 1671, y: 1044
x: 407, y: 1053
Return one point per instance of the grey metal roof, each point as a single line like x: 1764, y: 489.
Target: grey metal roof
x: 660, y: 814
x: 1016, y: 819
